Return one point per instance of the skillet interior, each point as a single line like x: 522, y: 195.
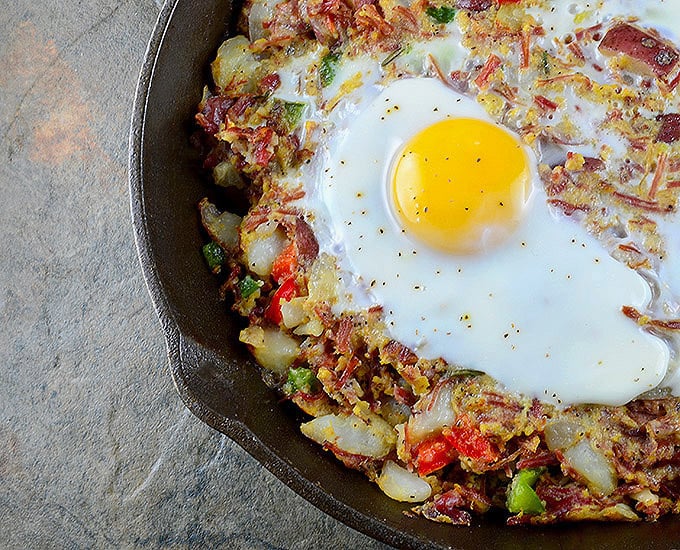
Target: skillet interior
x: 213, y: 374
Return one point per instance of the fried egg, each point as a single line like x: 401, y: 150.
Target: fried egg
x: 433, y: 209
x: 439, y: 214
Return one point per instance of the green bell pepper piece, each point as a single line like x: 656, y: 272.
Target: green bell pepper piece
x: 521, y: 496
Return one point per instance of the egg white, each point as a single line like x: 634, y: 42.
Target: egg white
x: 541, y: 313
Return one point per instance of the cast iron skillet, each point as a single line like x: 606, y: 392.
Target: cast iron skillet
x: 214, y: 375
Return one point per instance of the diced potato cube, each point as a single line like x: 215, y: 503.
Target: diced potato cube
x: 234, y: 65
x: 274, y: 350
x: 262, y: 246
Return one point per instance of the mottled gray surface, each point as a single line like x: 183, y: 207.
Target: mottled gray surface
x: 96, y: 449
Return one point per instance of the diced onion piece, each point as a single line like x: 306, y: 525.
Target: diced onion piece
x: 204, y: 96
x: 234, y: 63
x: 293, y: 312
x: 221, y: 226
x: 225, y: 174
x: 593, y: 466
x: 394, y: 412
x: 273, y: 349
x: 646, y: 497
x: 253, y: 336
x: 438, y: 414
x: 372, y: 437
x: 400, y: 484
x: 262, y: 247
x: 313, y: 327
x: 260, y: 12
x: 561, y: 434
x: 621, y: 512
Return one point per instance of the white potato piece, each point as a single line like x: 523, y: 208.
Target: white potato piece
x: 323, y: 280
x: 234, y: 64
x: 262, y: 247
x: 400, y: 484
x: 593, y: 466
x: 372, y: 437
x: 595, y: 469
x: 293, y: 312
x: 274, y: 350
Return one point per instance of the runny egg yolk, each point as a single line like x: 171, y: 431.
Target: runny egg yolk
x: 461, y: 185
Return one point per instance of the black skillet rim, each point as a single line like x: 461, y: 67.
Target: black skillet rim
x: 178, y: 344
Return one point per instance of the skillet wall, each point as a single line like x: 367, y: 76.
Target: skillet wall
x: 213, y: 374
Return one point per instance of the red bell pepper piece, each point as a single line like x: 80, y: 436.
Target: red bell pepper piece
x: 433, y: 454
x: 469, y: 441
x: 286, y: 264
x: 285, y: 293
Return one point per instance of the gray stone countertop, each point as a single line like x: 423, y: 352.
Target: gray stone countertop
x: 96, y: 448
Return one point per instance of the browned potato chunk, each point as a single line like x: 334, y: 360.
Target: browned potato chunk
x: 648, y: 53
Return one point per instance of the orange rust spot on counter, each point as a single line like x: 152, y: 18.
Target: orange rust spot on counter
x: 49, y: 118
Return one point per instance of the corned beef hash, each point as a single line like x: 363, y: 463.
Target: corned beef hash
x: 451, y: 227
